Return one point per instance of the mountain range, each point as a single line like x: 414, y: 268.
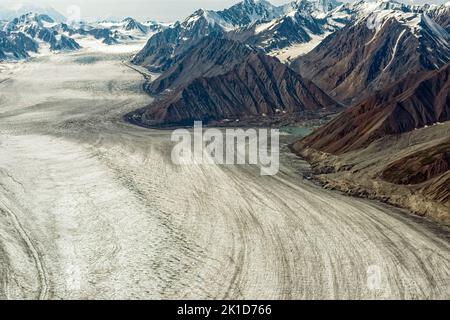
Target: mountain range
x: 32, y: 33
x: 223, y: 80
x: 350, y: 51
x: 414, y: 102
x: 381, y: 67
x: 287, y: 31
x: 360, y: 59
x: 254, y: 22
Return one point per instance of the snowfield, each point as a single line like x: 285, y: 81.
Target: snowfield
x: 92, y: 207
x: 289, y: 54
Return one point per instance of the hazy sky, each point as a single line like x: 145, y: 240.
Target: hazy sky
x: 163, y: 10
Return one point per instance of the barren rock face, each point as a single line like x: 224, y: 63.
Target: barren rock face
x: 419, y: 167
x: 223, y: 86
x: 247, y: 90
x: 439, y: 189
x: 415, y: 102
x: 212, y: 56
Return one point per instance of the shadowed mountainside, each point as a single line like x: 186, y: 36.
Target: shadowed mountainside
x: 357, y: 61
x: 258, y: 86
x: 412, y: 103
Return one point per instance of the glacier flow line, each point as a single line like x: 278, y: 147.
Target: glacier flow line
x: 43, y: 281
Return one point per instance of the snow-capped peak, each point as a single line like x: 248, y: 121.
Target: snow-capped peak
x: 319, y: 5
x: 430, y: 34
x: 250, y: 11
x: 128, y: 19
x: 212, y: 18
x: 315, y: 8
x: 29, y: 20
x: 132, y: 25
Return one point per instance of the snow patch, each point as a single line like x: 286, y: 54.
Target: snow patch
x: 265, y: 26
x: 394, y: 50
x: 290, y: 53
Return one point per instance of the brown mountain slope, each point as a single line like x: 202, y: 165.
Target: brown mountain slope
x: 357, y: 61
x: 439, y: 189
x: 420, y: 166
x: 258, y: 87
x: 212, y: 56
x: 409, y: 104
